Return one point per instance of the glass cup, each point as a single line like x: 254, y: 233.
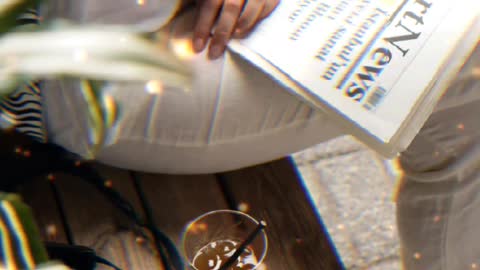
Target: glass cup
x: 225, y: 240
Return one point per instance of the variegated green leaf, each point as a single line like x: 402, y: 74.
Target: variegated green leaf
x: 21, y: 245
x: 94, y: 53
x: 102, y: 113
x: 10, y: 10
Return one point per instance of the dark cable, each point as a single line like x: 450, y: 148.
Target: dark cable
x: 50, y: 158
x: 104, y: 261
x: 161, y: 240
x: 62, y: 212
x: 227, y: 191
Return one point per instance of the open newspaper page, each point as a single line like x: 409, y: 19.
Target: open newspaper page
x: 370, y: 62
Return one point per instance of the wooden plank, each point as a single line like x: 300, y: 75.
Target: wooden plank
x: 38, y: 195
x: 178, y: 199
x: 24, y: 169
x: 96, y: 223
x: 297, y: 237
x: 273, y: 192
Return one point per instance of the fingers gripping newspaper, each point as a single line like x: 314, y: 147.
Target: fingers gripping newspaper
x: 376, y: 66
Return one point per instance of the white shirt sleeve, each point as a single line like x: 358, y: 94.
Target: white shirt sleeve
x: 146, y: 15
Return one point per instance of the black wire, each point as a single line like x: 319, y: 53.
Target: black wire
x: 146, y: 207
x: 227, y: 191
x: 90, y: 175
x: 104, y: 261
x: 229, y: 197
x: 162, y: 242
x: 50, y: 158
x: 62, y: 212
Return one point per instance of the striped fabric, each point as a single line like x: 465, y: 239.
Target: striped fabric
x: 29, y: 17
x: 22, y: 109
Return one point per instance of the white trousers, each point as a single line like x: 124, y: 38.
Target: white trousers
x: 235, y: 116
x: 438, y: 207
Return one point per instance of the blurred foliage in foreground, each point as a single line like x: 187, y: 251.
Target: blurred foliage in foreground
x: 92, y: 54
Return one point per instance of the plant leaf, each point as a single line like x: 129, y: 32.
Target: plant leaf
x: 10, y: 10
x: 103, y: 53
x: 102, y: 113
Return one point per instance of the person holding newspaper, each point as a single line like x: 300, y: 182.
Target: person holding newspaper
x: 235, y: 116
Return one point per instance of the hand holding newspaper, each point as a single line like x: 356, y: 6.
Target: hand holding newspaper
x: 377, y: 66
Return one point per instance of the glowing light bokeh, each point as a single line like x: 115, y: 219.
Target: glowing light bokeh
x: 51, y: 231
x: 80, y: 55
x: 154, y: 87
x: 182, y: 48
x: 108, y: 183
x: 243, y: 207
x: 476, y: 72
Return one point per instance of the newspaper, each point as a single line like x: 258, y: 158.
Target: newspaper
x: 371, y: 64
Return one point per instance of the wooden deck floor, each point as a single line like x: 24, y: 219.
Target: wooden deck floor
x: 272, y: 192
